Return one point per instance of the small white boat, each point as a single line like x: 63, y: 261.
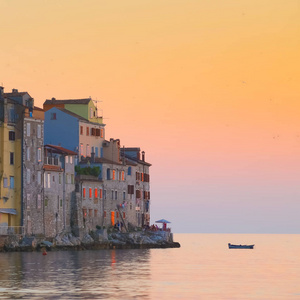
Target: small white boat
x: 231, y: 246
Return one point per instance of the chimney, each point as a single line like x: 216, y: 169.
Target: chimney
x: 143, y: 155
x: 14, y: 91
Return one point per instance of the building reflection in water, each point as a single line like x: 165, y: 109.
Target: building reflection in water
x: 85, y: 274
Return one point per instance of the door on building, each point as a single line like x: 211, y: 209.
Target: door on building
x: 143, y: 219
x: 112, y: 218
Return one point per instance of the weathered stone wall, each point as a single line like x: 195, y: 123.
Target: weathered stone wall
x: 33, y: 138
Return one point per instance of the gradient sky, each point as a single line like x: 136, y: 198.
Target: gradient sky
x: 209, y: 89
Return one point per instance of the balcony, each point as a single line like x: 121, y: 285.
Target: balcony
x: 11, y: 230
x: 49, y: 160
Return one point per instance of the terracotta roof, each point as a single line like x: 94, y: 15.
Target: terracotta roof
x: 37, y: 108
x: 52, y: 168
x: 59, y: 149
x: 68, y: 101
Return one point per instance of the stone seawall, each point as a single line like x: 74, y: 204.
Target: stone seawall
x: 96, y: 240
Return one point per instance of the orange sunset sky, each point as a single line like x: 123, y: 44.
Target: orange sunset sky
x: 209, y: 89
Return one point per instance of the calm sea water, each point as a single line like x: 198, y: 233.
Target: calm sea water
x: 203, y: 268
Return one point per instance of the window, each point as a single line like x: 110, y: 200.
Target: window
x: 67, y: 178
x: 130, y: 189
x: 90, y: 212
x: 11, y: 158
x: 114, y: 175
x: 117, y: 214
x: 28, y: 176
x: 28, y: 129
x: 53, y: 178
x: 112, y: 195
x: 101, y: 133
x: 129, y: 171
x: 72, y: 178
x: 59, y: 178
x: 96, y: 193
x: 123, y: 175
x: 39, y: 131
x: 46, y: 201
x: 28, y: 201
x: 84, y: 212
x: 108, y: 174
x: 11, y: 182
x: 39, y: 177
x: 81, y: 130
x: 95, y: 213
x: 88, y: 131
x: 71, y: 159
x: 49, y: 180
x: 124, y: 195
x: 100, y: 193
x: 39, y: 201
x: 96, y: 152
x: 28, y: 153
x: 53, y: 116
x: 67, y: 159
x: 138, y: 193
x: 39, y: 154
x: 104, y: 194
x: 60, y: 202
x: 90, y: 192
x: 5, y: 182
x: 81, y: 150
x: 88, y: 153
x: 124, y: 215
x: 104, y: 214
x: 116, y: 195
x: 97, y: 132
x: 83, y: 192
x: 11, y: 135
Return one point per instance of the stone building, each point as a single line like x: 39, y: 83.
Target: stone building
x: 33, y: 159
x: 59, y: 189
x: 123, y: 184
x: 21, y: 135
x: 138, y: 183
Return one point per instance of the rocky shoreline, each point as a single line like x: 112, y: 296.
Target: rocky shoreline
x: 97, y: 240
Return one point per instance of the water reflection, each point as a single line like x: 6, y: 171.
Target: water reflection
x: 109, y: 274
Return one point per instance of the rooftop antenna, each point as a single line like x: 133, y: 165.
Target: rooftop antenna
x: 97, y: 105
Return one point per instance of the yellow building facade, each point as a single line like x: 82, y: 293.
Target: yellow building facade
x: 10, y: 165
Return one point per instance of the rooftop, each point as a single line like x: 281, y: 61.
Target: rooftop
x: 68, y: 101
x: 60, y: 150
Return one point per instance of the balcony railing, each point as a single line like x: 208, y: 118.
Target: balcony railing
x: 11, y: 230
x: 51, y: 161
